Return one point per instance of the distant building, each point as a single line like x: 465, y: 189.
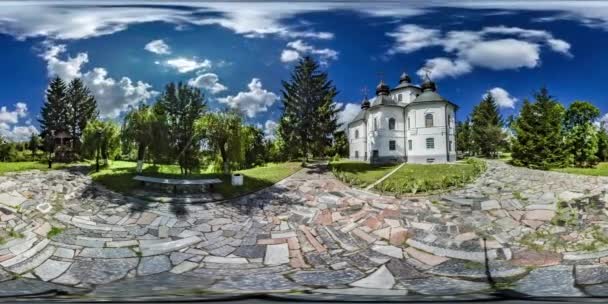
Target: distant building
x: 408, y: 123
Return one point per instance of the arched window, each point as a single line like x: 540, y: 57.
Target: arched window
x: 391, y: 124
x: 409, y: 126
x: 356, y: 133
x: 375, y: 124
x: 400, y: 97
x: 428, y: 120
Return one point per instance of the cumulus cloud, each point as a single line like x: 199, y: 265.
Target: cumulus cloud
x: 502, y: 97
x: 12, y: 117
x: 270, y: 129
x: 253, y: 101
x: 185, y: 65
x: 442, y: 67
x: 209, y: 82
x: 496, y: 48
x: 298, y: 47
x: 9, y: 123
x: 114, y: 96
x: 158, y: 47
x: 347, y: 113
x: 289, y: 55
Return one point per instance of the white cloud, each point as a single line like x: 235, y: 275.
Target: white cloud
x: 502, y: 97
x: 207, y: 81
x: 442, y: 67
x: 253, y: 101
x: 300, y: 47
x: 270, y: 129
x: 604, y: 119
x: 502, y: 54
x: 113, y: 96
x: 12, y: 117
x: 348, y: 113
x: 66, y: 69
x: 9, y: 123
x: 289, y: 56
x: 158, y: 47
x: 185, y: 65
x: 496, y: 48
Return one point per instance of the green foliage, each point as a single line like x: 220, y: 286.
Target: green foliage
x: 222, y: 132
x: 34, y: 144
x: 339, y: 146
x: 101, y: 139
x: 80, y: 107
x: 358, y: 173
x: 145, y: 129
x: 253, y: 146
x: 180, y: 106
x: 53, y: 115
x: 54, y: 232
x: 582, y: 142
x: 539, y: 139
x: 486, y: 127
x: 309, y: 112
x: 464, y: 140
x: 580, y: 113
x: 602, y: 142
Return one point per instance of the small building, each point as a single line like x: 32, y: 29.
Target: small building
x: 64, y: 147
x: 408, y: 123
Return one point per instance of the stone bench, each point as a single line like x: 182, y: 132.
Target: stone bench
x: 205, y: 183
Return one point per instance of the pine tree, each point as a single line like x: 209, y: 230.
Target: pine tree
x: 486, y: 127
x: 53, y: 115
x: 309, y: 112
x: 81, y: 108
x: 463, y: 137
x: 539, y: 138
x: 602, y: 142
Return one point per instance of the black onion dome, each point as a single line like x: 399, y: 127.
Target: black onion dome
x: 405, y: 78
x: 382, y: 88
x: 428, y: 85
x: 365, y: 104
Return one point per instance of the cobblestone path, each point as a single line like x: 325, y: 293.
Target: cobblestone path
x: 545, y: 234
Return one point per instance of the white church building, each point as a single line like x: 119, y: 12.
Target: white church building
x: 407, y: 123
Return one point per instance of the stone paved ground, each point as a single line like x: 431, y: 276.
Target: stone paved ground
x: 545, y: 235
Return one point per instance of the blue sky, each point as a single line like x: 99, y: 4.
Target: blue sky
x: 238, y: 53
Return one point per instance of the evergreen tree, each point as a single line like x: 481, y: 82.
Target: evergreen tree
x: 34, y: 144
x: 340, y: 144
x: 309, y: 113
x: 463, y: 137
x: 602, y: 142
x: 81, y: 107
x: 539, y: 139
x: 486, y: 129
x: 182, y: 105
x: 54, y: 112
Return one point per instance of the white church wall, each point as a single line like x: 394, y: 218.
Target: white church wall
x: 357, y: 145
x: 419, y: 134
x: 380, y: 139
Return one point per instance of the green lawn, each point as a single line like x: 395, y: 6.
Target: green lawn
x: 411, y: 178
x: 600, y: 170
x: 6, y: 167
x: 119, y: 176
x: 358, y: 173
x: 415, y: 178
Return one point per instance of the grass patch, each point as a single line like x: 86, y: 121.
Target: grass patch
x: 6, y: 167
x: 54, y: 232
x: 358, y: 173
x: 600, y: 170
x: 118, y: 176
x: 415, y: 178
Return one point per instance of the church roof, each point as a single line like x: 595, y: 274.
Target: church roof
x: 360, y: 116
x: 384, y: 100
x: 429, y: 94
x: 405, y: 85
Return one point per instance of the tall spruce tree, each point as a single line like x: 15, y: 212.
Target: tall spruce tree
x: 309, y: 112
x: 182, y: 105
x: 486, y: 129
x: 464, y: 141
x: 54, y: 112
x: 539, y: 138
x: 81, y: 108
x: 602, y: 142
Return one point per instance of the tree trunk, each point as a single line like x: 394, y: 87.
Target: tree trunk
x: 225, y: 163
x: 141, y: 150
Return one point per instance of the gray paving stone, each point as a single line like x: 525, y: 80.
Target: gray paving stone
x: 107, y: 253
x: 153, y: 265
x: 379, y: 279
x: 276, y: 254
x: 51, y: 269
x: 591, y: 274
x: 549, y: 281
x: 101, y: 271
x: 477, y: 271
x: 437, y: 286
x: 403, y: 271
x: 163, y: 284
x: 258, y: 282
x: 252, y: 252
x: 23, y: 286
x: 326, y: 278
